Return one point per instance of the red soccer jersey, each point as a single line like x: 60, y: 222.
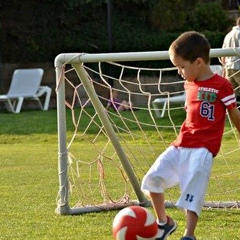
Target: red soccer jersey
x: 206, y: 104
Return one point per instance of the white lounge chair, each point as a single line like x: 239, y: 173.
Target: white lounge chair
x: 176, y: 99
x: 158, y: 101
x: 25, y: 84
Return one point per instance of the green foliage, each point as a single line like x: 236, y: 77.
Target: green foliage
x: 183, y: 15
x: 215, y: 38
x: 82, y: 26
x: 209, y: 16
x: 168, y: 15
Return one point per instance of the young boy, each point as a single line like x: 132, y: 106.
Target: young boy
x: 188, y: 160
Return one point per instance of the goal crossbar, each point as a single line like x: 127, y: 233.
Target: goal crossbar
x: 71, y: 58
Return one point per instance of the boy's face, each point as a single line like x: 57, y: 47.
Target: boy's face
x: 188, y: 71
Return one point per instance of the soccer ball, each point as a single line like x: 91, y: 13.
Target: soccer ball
x: 134, y: 223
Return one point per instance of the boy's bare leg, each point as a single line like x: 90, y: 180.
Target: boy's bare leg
x: 192, y: 220
x: 166, y: 224
x: 158, y: 202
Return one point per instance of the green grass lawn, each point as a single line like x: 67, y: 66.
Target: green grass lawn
x: 29, y: 187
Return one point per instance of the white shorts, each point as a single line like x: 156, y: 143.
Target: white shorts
x: 189, y: 168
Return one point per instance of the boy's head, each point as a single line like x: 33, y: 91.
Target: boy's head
x: 190, y: 54
x: 190, y: 46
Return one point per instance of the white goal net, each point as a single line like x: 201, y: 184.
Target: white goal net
x: 104, y: 154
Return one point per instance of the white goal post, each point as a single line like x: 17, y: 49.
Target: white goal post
x: 103, y: 154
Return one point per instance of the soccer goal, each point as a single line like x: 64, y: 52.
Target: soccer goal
x: 104, y: 154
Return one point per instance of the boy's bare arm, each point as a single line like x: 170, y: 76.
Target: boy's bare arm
x: 235, y: 118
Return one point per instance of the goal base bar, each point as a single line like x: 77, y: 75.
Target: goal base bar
x: 222, y: 205
x: 79, y: 209
x: 65, y: 210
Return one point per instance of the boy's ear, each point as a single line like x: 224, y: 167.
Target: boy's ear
x: 200, y: 61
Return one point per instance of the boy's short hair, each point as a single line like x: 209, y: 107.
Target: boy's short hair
x: 190, y: 46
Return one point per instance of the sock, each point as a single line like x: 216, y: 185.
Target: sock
x: 161, y: 223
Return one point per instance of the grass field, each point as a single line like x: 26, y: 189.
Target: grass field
x: 29, y: 186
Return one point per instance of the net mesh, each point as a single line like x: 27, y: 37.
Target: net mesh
x: 95, y: 173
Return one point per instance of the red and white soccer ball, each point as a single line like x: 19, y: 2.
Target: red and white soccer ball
x: 134, y: 223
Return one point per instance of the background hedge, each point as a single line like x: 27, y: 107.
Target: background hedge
x: 37, y: 31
